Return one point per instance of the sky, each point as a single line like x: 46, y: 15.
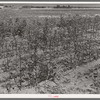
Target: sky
x: 50, y: 5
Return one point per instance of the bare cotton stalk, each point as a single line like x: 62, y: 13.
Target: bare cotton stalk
x: 20, y: 81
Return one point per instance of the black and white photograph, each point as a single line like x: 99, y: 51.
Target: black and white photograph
x: 49, y: 48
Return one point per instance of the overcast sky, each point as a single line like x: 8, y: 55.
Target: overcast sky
x: 76, y: 5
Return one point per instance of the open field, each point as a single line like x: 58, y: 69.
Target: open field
x: 44, y: 12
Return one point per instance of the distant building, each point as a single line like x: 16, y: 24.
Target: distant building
x: 7, y: 6
x: 1, y: 7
